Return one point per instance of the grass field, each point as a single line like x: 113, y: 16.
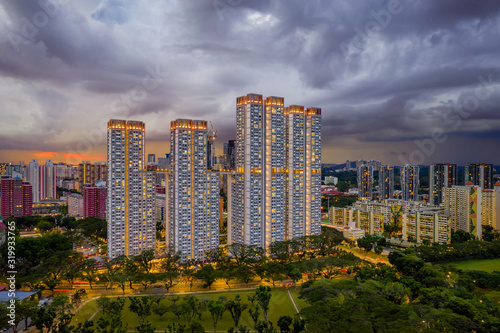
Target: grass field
x: 280, y: 305
x: 487, y: 265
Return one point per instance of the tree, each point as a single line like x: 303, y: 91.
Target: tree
x: 207, y: 274
x: 145, y: 260
x: 236, y: 308
x: 27, y: 310
x: 89, y: 271
x: 44, y: 318
x: 171, y: 270
x: 78, y: 297
x: 114, y: 324
x: 61, y: 305
x: 284, y: 323
x: 141, y: 306
x: 146, y: 327
x: 160, y: 309
x: 189, y: 307
x: 263, y: 295
x: 299, y: 325
x: 188, y: 272
x: 265, y: 327
x: 216, y: 309
x: 367, y: 242
x: 274, y: 271
x: 244, y: 273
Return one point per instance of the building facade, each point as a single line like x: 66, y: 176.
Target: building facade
x: 89, y: 173
x: 463, y: 205
x: 410, y: 181
x: 131, y: 195
x: 75, y: 204
x: 365, y: 181
x: 480, y: 174
x: 275, y: 192
x: 17, y: 197
x: 193, y: 203
x: 441, y: 176
x: 94, y: 201
x: 386, y: 182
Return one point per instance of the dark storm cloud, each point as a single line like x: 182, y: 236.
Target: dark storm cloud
x: 384, y: 72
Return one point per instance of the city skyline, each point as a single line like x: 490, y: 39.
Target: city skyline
x: 399, y: 82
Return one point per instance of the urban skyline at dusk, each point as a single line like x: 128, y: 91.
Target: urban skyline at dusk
x: 397, y: 81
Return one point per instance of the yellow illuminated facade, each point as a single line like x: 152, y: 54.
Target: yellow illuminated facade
x: 131, y: 191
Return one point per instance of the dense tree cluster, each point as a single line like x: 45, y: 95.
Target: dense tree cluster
x: 458, y: 251
x: 410, y: 296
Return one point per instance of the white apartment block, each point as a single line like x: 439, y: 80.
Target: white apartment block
x: 131, y: 191
x: 276, y: 189
x: 303, y: 171
x: 193, y: 203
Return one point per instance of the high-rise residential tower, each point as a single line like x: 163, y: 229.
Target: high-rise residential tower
x: 131, y: 194
x: 365, y: 181
x: 193, y: 203
x: 303, y: 171
x: 409, y: 182
x: 262, y: 188
x: 480, y: 174
x: 386, y: 182
x: 441, y: 176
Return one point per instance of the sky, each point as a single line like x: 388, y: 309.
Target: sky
x: 407, y: 81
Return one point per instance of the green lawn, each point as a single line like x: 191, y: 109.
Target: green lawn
x: 487, y: 265
x: 280, y: 305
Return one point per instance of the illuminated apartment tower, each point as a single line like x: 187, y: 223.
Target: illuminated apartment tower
x: 262, y: 189
x: 386, y: 182
x: 303, y: 171
x: 410, y: 182
x: 441, y: 176
x: 131, y: 194
x: 193, y: 203
x: 365, y: 181
x: 480, y: 174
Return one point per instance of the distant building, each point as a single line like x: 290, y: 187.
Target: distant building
x: 17, y: 197
x: 386, y: 182
x: 331, y: 180
x: 88, y: 173
x: 75, y: 205
x: 151, y: 158
x: 480, y: 174
x: 441, y: 176
x: 410, y: 181
x: 365, y: 181
x: 94, y: 201
x: 43, y: 179
x: 463, y: 205
x: 229, y: 155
